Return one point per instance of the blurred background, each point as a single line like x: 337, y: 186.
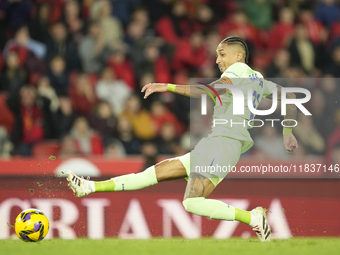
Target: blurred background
x: 72, y: 71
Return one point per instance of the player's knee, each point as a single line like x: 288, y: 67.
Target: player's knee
x: 192, y: 205
x: 187, y: 203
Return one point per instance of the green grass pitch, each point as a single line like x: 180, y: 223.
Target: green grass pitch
x: 114, y: 246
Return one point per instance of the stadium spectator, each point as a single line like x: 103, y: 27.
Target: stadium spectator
x: 336, y: 158
x: 126, y: 136
x: 88, y: 142
x: 174, y: 27
x: 259, y: 13
x: 39, y: 25
x: 308, y: 136
x: 136, y: 39
x: 122, y: 68
x: 281, y: 31
x: 189, y: 54
x: 157, y: 9
x: 93, y: 50
x: 110, y: 26
x: 29, y: 125
x: 145, y: 79
x: 302, y: 51
x: 330, y: 86
x: 6, y: 116
x: 58, y: 74
x: 149, y: 152
x: 300, y: 154
x: 316, y: 31
x: 112, y: 90
x: 46, y: 91
x: 140, y: 118
x: 335, y: 31
x: 72, y: 18
x: 114, y: 149
x: 3, y: 38
x: 204, y: 20
x: 279, y: 65
x: 59, y: 44
x: 154, y: 62
x: 194, y: 134
x: 68, y: 147
x: 141, y: 16
x: 83, y: 95
x: 320, y: 115
x: 298, y: 6
x: 333, y: 142
x: 22, y: 39
x: 122, y: 9
x: 167, y: 141
x: 12, y: 75
x: 181, y: 105
x: 103, y: 121
x: 15, y: 13
x: 328, y: 12
x: 63, y: 117
x: 269, y: 143
x: 239, y: 25
x: 5, y: 144
x: 161, y: 115
x: 209, y: 69
x: 333, y: 66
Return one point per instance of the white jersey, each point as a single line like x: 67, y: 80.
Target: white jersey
x: 242, y: 76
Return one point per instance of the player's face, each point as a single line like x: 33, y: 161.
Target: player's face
x: 225, y: 56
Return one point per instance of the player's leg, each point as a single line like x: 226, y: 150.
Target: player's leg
x: 166, y: 170
x: 195, y: 201
x: 201, y: 184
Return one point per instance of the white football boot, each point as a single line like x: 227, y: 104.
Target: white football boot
x: 262, y: 228
x: 79, y: 185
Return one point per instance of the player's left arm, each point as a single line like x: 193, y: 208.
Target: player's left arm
x: 194, y: 91
x: 289, y: 140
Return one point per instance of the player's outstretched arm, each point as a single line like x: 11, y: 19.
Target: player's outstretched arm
x: 194, y: 91
x: 289, y: 141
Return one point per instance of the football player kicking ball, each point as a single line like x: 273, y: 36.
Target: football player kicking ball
x: 222, y: 147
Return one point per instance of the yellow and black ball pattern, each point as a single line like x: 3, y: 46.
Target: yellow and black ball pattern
x: 31, y: 225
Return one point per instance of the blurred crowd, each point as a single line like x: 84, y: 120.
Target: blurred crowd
x: 72, y: 71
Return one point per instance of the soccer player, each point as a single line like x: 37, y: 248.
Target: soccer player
x: 228, y: 144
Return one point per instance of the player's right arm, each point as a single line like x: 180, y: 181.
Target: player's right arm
x: 194, y: 91
x: 289, y: 140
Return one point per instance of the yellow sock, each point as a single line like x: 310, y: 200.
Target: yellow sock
x: 128, y: 181
x: 104, y: 186
x: 242, y: 216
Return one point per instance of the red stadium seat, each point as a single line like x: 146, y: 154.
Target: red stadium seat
x: 46, y: 149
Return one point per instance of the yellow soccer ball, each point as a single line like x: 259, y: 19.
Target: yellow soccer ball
x: 31, y: 225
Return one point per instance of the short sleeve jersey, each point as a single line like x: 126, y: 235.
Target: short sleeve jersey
x: 236, y: 126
